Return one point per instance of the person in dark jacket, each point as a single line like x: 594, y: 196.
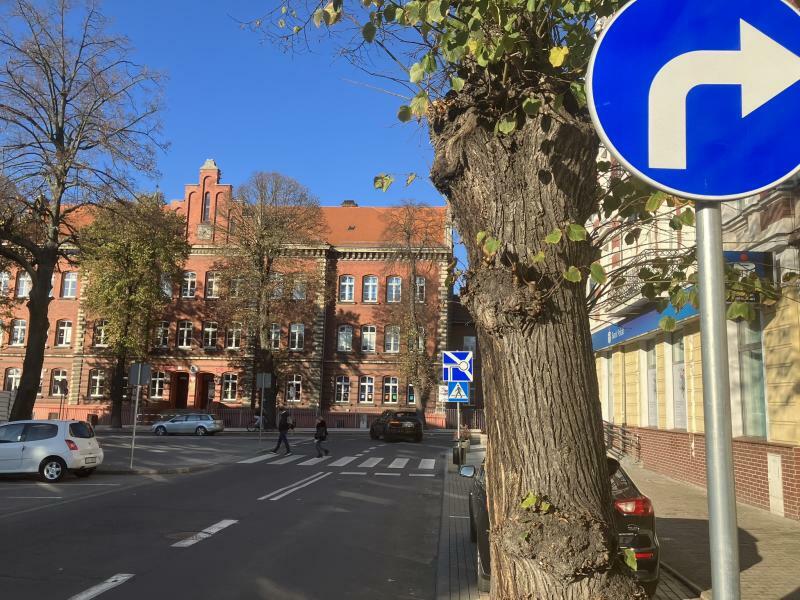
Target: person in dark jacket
x: 320, y: 435
x: 285, y: 423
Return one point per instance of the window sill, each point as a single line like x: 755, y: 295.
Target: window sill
x: 340, y: 301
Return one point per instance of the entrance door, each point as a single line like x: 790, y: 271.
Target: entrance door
x: 204, y: 395
x: 180, y: 389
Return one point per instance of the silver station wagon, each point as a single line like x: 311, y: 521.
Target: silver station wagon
x: 198, y: 424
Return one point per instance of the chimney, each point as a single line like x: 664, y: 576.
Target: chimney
x: 350, y: 203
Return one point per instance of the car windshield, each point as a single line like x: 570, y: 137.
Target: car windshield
x: 81, y: 430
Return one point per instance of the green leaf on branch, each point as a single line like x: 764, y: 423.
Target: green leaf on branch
x: 553, y: 237
x: 576, y: 232
x: 382, y: 182
x: 419, y: 105
x: 481, y: 236
x: 655, y: 201
x: 457, y: 84
x: 668, y: 324
x: 579, y: 92
x: 368, y: 31
x: 410, y: 179
x: 572, y: 274
x: 530, y: 501
x: 558, y: 55
x: 598, y: 273
x: 538, y: 257
x: 491, y: 246
x: 404, y: 113
x: 416, y: 73
x: 531, y: 106
x: 507, y: 124
x: 687, y: 217
x: 741, y: 310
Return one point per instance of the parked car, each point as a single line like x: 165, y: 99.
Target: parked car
x: 394, y: 424
x: 198, y: 424
x: 50, y: 448
x: 633, y: 517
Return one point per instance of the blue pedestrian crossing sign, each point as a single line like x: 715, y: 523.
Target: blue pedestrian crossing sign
x: 700, y: 98
x: 457, y: 391
x: 457, y: 366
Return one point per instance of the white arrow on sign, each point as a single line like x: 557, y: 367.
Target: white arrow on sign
x: 762, y: 67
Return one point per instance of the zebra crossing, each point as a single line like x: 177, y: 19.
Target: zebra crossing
x: 426, y: 466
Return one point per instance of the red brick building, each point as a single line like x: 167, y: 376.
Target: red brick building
x: 347, y: 356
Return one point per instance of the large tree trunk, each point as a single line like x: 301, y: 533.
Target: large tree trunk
x: 117, y: 389
x: 543, y: 412
x: 38, y: 328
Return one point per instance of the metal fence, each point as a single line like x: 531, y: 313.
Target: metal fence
x: 621, y: 441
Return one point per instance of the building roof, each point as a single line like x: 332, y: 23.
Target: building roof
x: 375, y: 227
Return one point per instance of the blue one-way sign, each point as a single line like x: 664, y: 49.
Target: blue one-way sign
x: 457, y: 366
x: 700, y: 98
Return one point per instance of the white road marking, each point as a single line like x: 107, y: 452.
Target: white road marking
x: 343, y: 461
x: 297, y: 487
x: 154, y: 450
x: 206, y: 533
x: 458, y: 517
x: 288, y: 459
x: 398, y: 463
x: 427, y: 463
x: 108, y: 584
x: 421, y: 475
x: 32, y: 497
x: 370, y: 462
x: 314, y: 461
x: 255, y: 459
x: 291, y: 485
x: 389, y: 474
x: 353, y: 473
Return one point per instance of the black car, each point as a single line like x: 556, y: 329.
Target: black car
x: 397, y: 424
x: 633, y: 517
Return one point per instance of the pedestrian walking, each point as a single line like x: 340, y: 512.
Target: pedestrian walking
x: 320, y: 435
x: 285, y: 423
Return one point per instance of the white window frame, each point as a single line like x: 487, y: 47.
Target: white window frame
x: 235, y: 287
x: 297, y: 337
x: 275, y: 336
x: 394, y: 289
x: 11, y: 379
x: 391, y: 339
x: 97, y: 383
x: 342, y: 336
x: 230, y: 386
x: 276, y: 281
x: 162, y: 334
x: 189, y: 284
x: 212, y: 284
x: 411, y: 394
x: 5, y: 282
x: 63, y: 333
x: 19, y: 329
x: 69, y: 284
x: 233, y: 336
x: 368, y: 332
x: 294, y: 388
x: 366, y: 389
x: 166, y: 285
x: 341, y: 394
x: 391, y: 383
x: 55, y: 376
x: 100, y: 334
x: 157, y: 384
x: 299, y: 289
x: 369, y: 289
x: 347, y: 288
x: 181, y: 330
x: 210, y: 334
x: 419, y: 289
x: 24, y: 285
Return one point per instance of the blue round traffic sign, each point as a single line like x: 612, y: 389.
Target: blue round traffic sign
x: 700, y: 98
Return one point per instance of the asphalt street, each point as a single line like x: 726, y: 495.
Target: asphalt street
x: 363, y: 523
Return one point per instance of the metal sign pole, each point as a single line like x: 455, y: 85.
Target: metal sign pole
x: 723, y: 531
x: 261, y: 418
x: 135, y: 414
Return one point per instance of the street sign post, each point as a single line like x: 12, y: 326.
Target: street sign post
x: 139, y: 374
x: 696, y: 98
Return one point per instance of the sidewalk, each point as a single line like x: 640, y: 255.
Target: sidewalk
x: 456, y: 576
x: 768, y: 545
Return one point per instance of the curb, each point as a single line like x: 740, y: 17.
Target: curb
x: 682, y: 578
x: 164, y: 471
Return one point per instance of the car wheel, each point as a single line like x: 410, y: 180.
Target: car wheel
x: 650, y: 588
x: 484, y: 582
x: 52, y: 469
x: 200, y: 431
x: 160, y: 430
x: 84, y: 472
x: 418, y: 438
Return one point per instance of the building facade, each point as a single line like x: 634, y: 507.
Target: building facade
x: 651, y: 381
x: 346, y: 353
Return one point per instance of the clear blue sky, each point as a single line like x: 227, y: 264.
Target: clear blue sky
x: 250, y: 106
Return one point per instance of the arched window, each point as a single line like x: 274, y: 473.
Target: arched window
x: 101, y: 333
x: 394, y: 288
x: 368, y: 338
x: 420, y: 289
x: 230, y: 384
x: 297, y: 336
x: 69, y: 285
x: 18, y: 330
x: 369, y: 291
x: 347, y: 284
x: 233, y: 336
x: 391, y: 339
x: 5, y: 280
x: 189, y: 284
x: 184, y: 334
x: 342, y: 391
x: 24, y: 284
x: 294, y: 386
x: 212, y: 284
x: 157, y: 380
x: 63, y: 333
x: 206, y: 216
x: 162, y: 334
x: 366, y: 389
x: 344, y: 342
x: 58, y: 382
x: 97, y: 383
x: 390, y: 390
x: 210, y: 329
x: 12, y: 379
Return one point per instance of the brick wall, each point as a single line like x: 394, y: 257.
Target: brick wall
x: 682, y: 456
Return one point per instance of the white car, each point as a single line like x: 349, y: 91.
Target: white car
x: 50, y: 448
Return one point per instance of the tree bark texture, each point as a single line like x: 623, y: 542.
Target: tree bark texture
x: 38, y: 329
x: 543, y: 412
x: 117, y: 389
